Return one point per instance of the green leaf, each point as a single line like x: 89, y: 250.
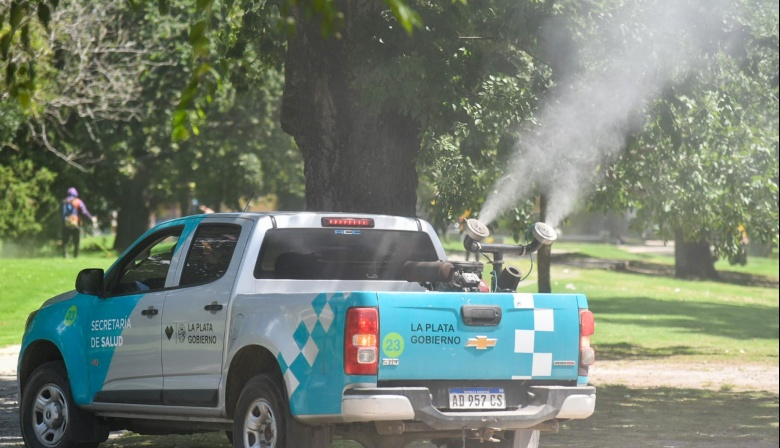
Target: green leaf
x: 163, y: 6
x: 180, y: 133
x: 198, y: 39
x: 179, y: 118
x: 5, y: 45
x: 205, y: 68
x: 10, y: 73
x: 25, y: 36
x: 407, y: 17
x: 17, y: 13
x: 24, y: 99
x: 44, y: 14
x: 198, y: 31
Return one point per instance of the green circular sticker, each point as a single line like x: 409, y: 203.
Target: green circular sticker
x: 393, y: 345
x: 70, y: 316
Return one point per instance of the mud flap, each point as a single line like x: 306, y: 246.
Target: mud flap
x: 87, y: 428
x: 299, y: 435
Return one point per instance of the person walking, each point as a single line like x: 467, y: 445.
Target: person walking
x: 73, y: 209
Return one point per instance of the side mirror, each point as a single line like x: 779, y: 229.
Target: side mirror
x: 89, y: 281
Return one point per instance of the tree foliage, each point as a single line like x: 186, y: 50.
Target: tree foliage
x: 475, y: 96
x: 107, y: 102
x: 24, y: 195
x: 705, y: 166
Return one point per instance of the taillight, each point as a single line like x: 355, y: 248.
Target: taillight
x: 587, y: 354
x: 587, y: 323
x: 360, y: 341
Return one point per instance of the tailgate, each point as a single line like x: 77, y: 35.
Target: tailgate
x: 441, y: 336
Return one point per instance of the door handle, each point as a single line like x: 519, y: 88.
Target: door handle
x: 213, y: 307
x: 149, y: 312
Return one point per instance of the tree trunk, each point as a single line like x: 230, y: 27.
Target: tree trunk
x: 693, y: 260
x: 358, y: 156
x: 543, y: 254
x: 133, y: 214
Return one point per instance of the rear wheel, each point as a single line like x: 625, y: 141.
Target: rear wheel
x: 47, y: 413
x: 260, y: 418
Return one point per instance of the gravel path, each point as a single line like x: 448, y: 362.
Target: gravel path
x: 9, y: 417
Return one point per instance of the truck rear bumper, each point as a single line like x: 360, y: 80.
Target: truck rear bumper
x: 414, y: 403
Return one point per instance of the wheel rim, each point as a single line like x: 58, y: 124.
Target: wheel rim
x: 50, y: 415
x: 260, y: 429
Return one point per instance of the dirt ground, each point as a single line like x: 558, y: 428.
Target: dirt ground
x: 633, y: 375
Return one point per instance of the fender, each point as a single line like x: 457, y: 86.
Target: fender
x: 307, y: 341
x: 62, y: 324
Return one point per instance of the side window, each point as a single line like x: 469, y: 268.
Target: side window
x: 147, y: 269
x: 210, y: 254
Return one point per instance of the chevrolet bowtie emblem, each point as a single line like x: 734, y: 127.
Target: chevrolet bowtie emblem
x: 481, y: 342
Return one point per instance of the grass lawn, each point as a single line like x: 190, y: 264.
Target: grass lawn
x: 637, y: 316
x: 25, y: 283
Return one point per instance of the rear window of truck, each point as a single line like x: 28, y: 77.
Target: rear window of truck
x: 339, y: 254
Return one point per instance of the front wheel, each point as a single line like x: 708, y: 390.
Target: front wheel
x: 260, y: 418
x: 47, y: 413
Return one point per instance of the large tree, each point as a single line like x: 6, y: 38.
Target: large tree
x: 704, y: 170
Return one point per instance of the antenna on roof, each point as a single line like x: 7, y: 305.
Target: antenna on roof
x: 249, y: 201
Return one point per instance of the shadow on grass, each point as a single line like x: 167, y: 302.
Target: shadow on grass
x: 732, y: 321
x: 657, y: 269
x: 627, y: 352
x: 673, y: 418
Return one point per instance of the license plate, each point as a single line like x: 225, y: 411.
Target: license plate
x: 477, y: 398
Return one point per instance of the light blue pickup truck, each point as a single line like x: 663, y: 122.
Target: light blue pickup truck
x: 287, y: 330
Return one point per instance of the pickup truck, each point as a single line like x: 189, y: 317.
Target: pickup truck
x: 287, y: 330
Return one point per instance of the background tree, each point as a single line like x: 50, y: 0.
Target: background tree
x: 108, y: 99
x: 705, y: 167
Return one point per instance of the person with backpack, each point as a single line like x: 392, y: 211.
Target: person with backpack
x: 73, y: 209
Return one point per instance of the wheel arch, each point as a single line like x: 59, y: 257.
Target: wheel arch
x: 247, y: 363
x: 36, y: 354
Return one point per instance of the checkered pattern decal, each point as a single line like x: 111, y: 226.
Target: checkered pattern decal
x: 534, y: 338
x: 310, y: 337
x: 311, y: 353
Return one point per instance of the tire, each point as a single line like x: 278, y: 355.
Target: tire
x: 47, y: 413
x: 261, y: 416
